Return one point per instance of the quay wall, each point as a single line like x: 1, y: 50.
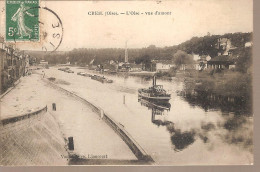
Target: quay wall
x: 119, y: 129
x: 32, y: 139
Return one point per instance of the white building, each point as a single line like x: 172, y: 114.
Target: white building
x: 162, y: 67
x: 196, y: 57
x: 43, y: 63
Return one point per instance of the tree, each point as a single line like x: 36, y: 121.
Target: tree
x: 244, y: 59
x: 182, y: 58
x: 146, y: 60
x: 120, y: 58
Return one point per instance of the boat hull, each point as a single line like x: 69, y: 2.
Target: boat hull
x: 101, y: 79
x: 147, y: 96
x: 155, y: 104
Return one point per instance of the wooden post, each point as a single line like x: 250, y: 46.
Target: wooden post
x: 124, y: 99
x: 101, y: 114
x: 71, y: 143
x: 54, y: 106
x: 154, y: 80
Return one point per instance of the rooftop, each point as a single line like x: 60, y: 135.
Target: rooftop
x: 222, y: 58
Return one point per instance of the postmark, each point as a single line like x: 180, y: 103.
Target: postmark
x: 51, y: 29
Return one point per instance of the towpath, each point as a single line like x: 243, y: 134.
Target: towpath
x: 92, y: 136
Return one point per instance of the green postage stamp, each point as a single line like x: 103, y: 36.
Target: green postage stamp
x: 22, y: 20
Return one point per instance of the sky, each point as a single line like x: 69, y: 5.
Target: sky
x: 188, y: 18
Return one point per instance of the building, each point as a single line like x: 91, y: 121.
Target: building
x: 109, y: 66
x: 200, y: 62
x: 163, y: 67
x: 224, y: 46
x: 188, y: 66
x: 124, y: 67
x: 135, y: 67
x: 225, y: 59
x: 43, y: 63
x: 196, y: 57
x: 12, y: 65
x: 199, y: 65
x: 221, y: 62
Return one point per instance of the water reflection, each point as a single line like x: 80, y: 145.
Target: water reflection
x: 240, y: 131
x: 179, y: 139
x: 236, y: 112
x: 239, y: 128
x: 217, y: 102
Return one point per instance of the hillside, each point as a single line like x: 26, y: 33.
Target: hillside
x: 197, y: 45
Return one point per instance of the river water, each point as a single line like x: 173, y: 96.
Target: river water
x: 183, y: 132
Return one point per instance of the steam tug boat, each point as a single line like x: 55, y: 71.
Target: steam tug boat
x: 154, y: 93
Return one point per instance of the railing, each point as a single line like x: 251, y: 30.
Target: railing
x: 128, y: 139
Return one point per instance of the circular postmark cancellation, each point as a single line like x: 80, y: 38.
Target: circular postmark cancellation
x: 43, y: 31
x: 51, y: 30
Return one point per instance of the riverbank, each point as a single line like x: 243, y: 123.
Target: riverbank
x: 226, y: 86
x: 92, y: 136
x: 224, y: 83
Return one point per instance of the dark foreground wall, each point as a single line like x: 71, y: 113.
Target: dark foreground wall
x: 33, y: 139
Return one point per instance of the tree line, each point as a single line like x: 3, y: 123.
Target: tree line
x: 198, y: 45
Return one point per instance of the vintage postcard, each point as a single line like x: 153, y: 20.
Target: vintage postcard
x: 126, y: 82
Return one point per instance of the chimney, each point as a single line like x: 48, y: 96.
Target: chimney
x: 126, y: 53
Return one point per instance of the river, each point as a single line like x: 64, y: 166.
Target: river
x: 182, y: 133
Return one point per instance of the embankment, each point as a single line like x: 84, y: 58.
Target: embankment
x: 118, y: 128
x: 32, y: 139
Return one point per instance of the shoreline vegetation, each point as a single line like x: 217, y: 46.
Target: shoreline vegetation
x: 227, y: 88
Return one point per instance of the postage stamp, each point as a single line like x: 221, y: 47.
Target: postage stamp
x: 22, y: 20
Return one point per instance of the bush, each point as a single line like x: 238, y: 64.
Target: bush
x: 207, y: 85
x: 229, y: 83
